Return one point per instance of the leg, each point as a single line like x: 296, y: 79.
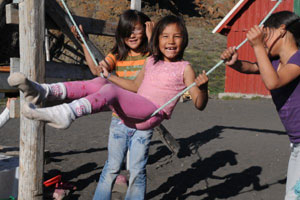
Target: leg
x: 139, y: 150
x: 131, y: 107
x: 293, y: 174
x: 117, y: 147
x: 36, y: 93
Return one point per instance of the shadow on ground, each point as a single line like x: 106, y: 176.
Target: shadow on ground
x: 176, y: 187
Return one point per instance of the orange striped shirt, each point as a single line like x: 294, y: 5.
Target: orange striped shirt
x: 128, y: 68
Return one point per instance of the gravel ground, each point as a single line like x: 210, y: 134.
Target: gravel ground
x: 235, y: 149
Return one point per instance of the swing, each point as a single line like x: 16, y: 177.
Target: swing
x: 193, y: 84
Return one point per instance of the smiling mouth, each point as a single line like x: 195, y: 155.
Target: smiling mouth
x: 171, y: 48
x: 134, y: 40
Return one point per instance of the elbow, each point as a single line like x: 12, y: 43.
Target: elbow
x: 202, y: 106
x: 272, y: 86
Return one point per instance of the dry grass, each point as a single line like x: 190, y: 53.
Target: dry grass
x: 204, y: 52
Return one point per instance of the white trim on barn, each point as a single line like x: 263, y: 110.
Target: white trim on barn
x: 228, y: 15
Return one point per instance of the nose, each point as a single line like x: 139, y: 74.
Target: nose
x: 132, y: 35
x: 171, y: 40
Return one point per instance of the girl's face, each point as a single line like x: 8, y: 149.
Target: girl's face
x: 170, y: 41
x: 136, y: 37
x: 271, y: 40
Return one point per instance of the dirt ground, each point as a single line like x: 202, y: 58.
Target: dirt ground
x: 235, y: 149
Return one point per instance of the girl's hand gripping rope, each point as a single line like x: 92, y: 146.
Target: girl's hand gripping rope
x: 230, y: 56
x: 202, y: 81
x: 256, y: 36
x: 75, y: 33
x: 102, y: 69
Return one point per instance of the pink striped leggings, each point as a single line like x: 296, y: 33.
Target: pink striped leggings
x: 133, y: 109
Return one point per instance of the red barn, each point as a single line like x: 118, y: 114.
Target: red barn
x: 244, y: 15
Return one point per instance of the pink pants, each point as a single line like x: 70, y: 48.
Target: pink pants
x: 133, y: 109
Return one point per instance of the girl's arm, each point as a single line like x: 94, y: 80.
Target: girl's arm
x: 230, y: 56
x: 131, y: 85
x: 88, y: 58
x: 199, y: 92
x: 149, y: 29
x: 4, y: 117
x: 271, y: 78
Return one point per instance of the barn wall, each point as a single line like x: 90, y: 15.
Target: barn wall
x: 252, y: 13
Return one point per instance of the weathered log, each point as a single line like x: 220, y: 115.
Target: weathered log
x: 12, y: 14
x: 32, y: 133
x: 167, y: 138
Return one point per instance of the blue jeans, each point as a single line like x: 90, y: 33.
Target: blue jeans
x: 122, y: 138
x: 293, y: 174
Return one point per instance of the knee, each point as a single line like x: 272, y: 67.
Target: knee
x: 108, y: 91
x: 99, y: 81
x: 139, y: 176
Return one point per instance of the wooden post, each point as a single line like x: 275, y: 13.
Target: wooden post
x: 32, y: 64
x: 136, y: 5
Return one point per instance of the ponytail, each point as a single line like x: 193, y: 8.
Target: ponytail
x: 294, y: 28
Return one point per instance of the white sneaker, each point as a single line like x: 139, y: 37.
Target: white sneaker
x: 60, y: 116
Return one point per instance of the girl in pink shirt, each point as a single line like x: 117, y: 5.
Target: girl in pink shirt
x: 164, y: 75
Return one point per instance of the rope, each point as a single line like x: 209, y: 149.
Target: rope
x: 81, y: 36
x: 216, y: 66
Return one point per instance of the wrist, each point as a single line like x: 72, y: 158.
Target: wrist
x: 203, y: 88
x: 108, y: 75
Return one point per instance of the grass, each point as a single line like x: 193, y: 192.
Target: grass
x: 204, y: 52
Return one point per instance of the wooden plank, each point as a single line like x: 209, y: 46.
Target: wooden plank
x: 14, y: 108
x: 96, y: 26
x: 60, y: 17
x: 90, y: 25
x: 63, y: 71
x: 12, y: 14
x: 4, y: 68
x: 32, y: 133
x: 54, y: 70
x: 14, y: 65
x: 167, y: 138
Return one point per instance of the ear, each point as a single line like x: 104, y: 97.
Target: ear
x: 282, y: 29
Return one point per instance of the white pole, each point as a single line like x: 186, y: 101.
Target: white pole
x: 136, y: 5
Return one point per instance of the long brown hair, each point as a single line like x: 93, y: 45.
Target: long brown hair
x: 126, y: 24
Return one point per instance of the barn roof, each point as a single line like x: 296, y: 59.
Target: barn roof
x: 230, y: 16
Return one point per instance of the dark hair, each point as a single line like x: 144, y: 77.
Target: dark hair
x: 127, y: 21
x: 159, y: 28
x: 289, y: 19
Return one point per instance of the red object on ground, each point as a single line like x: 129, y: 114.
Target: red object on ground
x: 52, y: 181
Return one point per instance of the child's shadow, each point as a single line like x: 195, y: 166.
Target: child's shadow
x: 233, y: 185
x: 178, y: 184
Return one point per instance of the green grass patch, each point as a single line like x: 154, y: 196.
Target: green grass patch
x: 205, y: 60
